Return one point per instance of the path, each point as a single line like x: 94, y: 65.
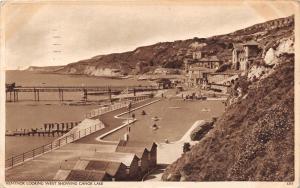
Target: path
x: 44, y: 167
x: 110, y: 123
x: 126, y: 121
x: 169, y: 153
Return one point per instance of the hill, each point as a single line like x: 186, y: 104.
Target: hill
x: 172, y: 54
x: 253, y: 140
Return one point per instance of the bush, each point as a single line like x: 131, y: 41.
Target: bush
x: 199, y: 132
x: 186, y: 147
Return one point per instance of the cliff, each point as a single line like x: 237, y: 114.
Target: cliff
x: 45, y: 69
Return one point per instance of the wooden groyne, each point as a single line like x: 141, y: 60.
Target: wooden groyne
x: 69, y: 138
x: 50, y: 129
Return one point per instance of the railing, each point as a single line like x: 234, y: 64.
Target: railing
x: 103, y: 110
x: 71, y: 137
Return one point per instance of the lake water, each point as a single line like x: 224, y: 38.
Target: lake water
x: 30, y: 114
x: 175, y: 117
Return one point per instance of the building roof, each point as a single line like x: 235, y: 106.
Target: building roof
x: 201, y: 69
x: 147, y: 145
x: 109, y: 167
x: 251, y: 43
x: 139, y: 151
x: 237, y: 46
x: 214, y: 58
x: 86, y: 175
x: 61, y: 175
x: 125, y: 158
x: 206, y: 59
x: 68, y: 164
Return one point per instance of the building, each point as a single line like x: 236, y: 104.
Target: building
x: 115, y: 171
x: 164, y: 83
x: 141, y: 152
x: 81, y: 175
x: 165, y: 71
x: 130, y: 160
x: 147, y: 151
x: 197, y: 76
x: 197, y: 67
x: 205, y: 62
x: 243, y: 55
x: 200, y: 54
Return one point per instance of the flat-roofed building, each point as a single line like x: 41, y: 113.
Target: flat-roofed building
x: 130, y: 160
x: 116, y: 170
x: 81, y: 175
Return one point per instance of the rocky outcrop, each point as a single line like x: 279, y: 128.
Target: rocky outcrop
x: 285, y: 45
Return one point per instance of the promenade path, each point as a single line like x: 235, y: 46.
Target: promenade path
x: 110, y: 123
x: 169, y: 153
x: 44, y: 167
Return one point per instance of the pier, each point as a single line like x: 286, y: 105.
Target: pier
x: 12, y: 91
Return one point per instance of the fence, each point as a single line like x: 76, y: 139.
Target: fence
x: 103, y: 110
x: 71, y: 137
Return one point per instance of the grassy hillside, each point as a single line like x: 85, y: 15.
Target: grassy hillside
x: 252, y: 141
x: 172, y: 54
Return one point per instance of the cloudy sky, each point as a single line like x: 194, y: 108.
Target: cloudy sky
x: 43, y: 34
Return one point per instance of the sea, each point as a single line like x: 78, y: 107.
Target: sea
x: 27, y: 113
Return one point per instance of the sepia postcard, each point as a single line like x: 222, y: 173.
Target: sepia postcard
x: 149, y: 93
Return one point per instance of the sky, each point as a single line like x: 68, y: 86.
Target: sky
x: 43, y: 34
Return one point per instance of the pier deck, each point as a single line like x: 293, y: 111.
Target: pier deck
x: 12, y: 92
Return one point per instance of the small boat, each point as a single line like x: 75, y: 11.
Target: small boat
x: 154, y: 127
x: 155, y: 118
x: 174, y: 107
x: 205, y: 110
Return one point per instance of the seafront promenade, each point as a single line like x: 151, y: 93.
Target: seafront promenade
x: 108, y: 120
x: 46, y: 164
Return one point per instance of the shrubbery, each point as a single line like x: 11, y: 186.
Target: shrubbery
x: 199, y: 132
